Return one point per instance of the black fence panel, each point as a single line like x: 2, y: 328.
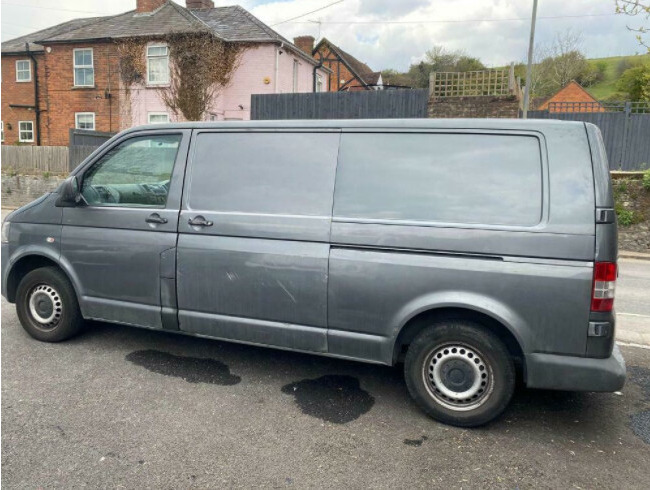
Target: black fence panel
x: 77, y: 154
x: 85, y: 137
x: 83, y: 142
x: 637, y: 154
x: 626, y: 135
x: 367, y: 104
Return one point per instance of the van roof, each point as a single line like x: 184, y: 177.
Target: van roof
x: 511, y: 124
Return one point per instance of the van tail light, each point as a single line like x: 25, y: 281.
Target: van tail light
x: 604, y: 286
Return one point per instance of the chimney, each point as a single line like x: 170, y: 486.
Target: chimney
x: 199, y: 4
x: 146, y: 6
x: 305, y: 43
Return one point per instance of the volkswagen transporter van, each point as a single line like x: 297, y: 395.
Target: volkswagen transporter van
x: 468, y: 250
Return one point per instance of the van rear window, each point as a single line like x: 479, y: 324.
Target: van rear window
x: 450, y: 178
x: 264, y: 173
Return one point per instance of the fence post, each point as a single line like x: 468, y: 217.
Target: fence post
x: 432, y: 82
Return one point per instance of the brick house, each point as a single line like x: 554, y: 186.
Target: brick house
x: 573, y: 97
x: 347, y: 72
x: 68, y: 76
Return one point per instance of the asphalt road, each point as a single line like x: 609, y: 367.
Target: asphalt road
x: 125, y: 407
x: 633, y: 301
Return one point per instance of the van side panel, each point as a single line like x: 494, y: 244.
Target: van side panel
x: 376, y: 292
x: 534, y: 278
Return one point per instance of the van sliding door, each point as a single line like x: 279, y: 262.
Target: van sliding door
x: 254, y: 232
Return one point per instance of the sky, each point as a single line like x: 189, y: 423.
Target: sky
x: 391, y: 33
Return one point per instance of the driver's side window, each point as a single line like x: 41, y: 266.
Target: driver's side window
x: 134, y: 173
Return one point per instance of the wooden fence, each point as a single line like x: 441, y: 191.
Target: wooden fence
x: 35, y: 159
x: 496, y: 82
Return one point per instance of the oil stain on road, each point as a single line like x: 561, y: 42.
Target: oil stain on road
x: 333, y: 398
x: 191, y: 369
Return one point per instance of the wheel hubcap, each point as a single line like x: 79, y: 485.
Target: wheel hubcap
x: 45, y: 306
x: 458, y: 377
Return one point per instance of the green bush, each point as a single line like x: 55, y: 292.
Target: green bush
x: 646, y: 180
x: 625, y: 216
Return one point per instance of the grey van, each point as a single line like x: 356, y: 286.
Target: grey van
x: 468, y: 250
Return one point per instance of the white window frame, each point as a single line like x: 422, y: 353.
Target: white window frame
x: 75, y: 66
x: 296, y: 69
x: 158, y: 82
x: 149, y: 114
x: 29, y: 71
x: 2, y: 131
x: 76, y: 120
x: 320, y: 85
x: 20, y: 132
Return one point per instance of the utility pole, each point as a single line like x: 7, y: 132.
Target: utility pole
x: 529, y: 67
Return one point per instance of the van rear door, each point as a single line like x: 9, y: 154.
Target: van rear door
x: 602, y: 320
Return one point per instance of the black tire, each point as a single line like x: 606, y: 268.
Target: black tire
x: 459, y: 357
x: 52, y: 298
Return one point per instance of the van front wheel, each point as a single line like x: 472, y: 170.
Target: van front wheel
x: 47, y: 306
x: 459, y: 373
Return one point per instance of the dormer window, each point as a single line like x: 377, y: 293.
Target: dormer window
x: 157, y: 64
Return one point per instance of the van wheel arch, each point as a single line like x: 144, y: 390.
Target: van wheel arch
x: 426, y: 318
x: 24, y: 266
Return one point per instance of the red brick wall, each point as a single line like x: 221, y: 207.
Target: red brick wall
x: 64, y: 99
x: 59, y: 98
x: 503, y: 106
x: 22, y: 93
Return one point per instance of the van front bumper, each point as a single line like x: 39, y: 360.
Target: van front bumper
x: 553, y: 372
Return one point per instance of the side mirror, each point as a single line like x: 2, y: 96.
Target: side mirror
x: 69, y: 193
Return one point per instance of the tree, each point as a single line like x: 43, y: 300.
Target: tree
x: 440, y: 59
x: 394, y: 77
x: 558, y: 63
x: 635, y: 8
x: 635, y: 83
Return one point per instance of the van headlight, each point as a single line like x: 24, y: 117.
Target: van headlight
x: 5, y: 231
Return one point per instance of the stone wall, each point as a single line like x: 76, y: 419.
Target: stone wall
x: 18, y: 190
x: 480, y: 106
x: 633, y: 210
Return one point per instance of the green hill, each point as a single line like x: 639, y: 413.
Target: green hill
x: 607, y: 88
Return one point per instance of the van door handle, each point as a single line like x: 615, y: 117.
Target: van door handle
x: 156, y: 218
x: 199, y: 221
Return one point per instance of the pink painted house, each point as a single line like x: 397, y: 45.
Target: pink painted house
x: 266, y: 68
x: 272, y: 64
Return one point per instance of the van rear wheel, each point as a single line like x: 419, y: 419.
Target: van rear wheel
x: 459, y: 373
x: 47, y: 306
